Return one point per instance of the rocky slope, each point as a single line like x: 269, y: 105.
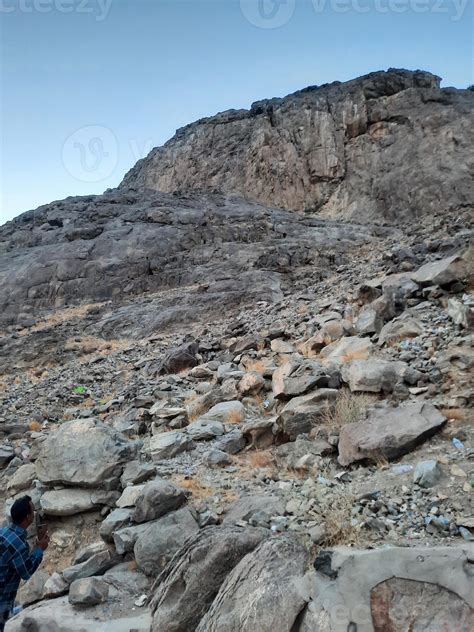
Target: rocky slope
x: 237, y: 417
x: 385, y: 147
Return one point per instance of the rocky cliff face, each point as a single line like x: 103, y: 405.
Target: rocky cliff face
x: 384, y: 147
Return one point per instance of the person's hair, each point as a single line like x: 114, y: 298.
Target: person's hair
x: 21, y: 509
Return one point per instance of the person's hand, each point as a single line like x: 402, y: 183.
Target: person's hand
x: 43, y: 541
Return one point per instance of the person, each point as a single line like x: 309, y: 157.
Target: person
x: 16, y: 561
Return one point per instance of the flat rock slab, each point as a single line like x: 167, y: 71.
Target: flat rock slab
x: 166, y: 445
x: 83, y: 453
x: 388, y: 432
x: 67, y: 502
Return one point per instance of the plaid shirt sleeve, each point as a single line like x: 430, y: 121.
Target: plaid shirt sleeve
x: 25, y: 563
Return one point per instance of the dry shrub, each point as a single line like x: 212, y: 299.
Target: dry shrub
x: 336, y: 512
x: 61, y: 316
x: 194, y: 409
x: 349, y: 408
x: 35, y: 426
x: 454, y: 413
x: 234, y: 416
x: 258, y: 366
x: 194, y: 485
x: 251, y: 460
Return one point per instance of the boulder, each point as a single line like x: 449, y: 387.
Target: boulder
x: 347, y: 349
x: 302, y: 413
x: 55, y: 586
x: 159, y: 542
x: 136, y: 472
x: 22, y: 479
x: 224, y: 412
x: 179, y: 358
x: 158, y: 498
x: 190, y: 582
x: 371, y: 376
x: 166, y: 445
x: 232, y: 442
x: 67, y: 502
x: 281, y: 346
x: 389, y: 432
x: 204, y: 429
x: 96, y: 564
x: 297, y: 378
x: 32, y: 591
x: 89, y: 591
x: 216, y: 458
x: 442, y: 272
x: 129, y: 496
x: 263, y: 592
x: 302, y: 455
x: 400, y: 329
x: 125, y: 538
x: 368, y: 321
x: 427, y: 473
x: 117, y: 519
x: 83, y: 453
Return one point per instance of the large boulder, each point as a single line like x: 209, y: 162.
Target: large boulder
x: 83, y: 453
x: 302, y: 413
x: 442, y: 272
x: 388, y: 432
x: 180, y: 358
x: 264, y: 592
x: 67, y: 502
x: 192, y: 579
x: 156, y: 545
x: 166, y: 445
x: 158, y: 498
x: 372, y: 375
x: 400, y: 329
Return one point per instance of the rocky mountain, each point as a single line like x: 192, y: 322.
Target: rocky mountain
x: 234, y: 411
x: 385, y: 147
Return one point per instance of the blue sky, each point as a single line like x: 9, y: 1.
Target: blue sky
x: 90, y: 86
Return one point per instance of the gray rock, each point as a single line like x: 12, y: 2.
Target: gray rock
x: 372, y: 376
x: 136, y: 472
x: 232, y: 442
x: 400, y: 329
x: 368, y: 321
x: 223, y: 412
x: 186, y: 588
x: 427, y: 473
x: 88, y: 592
x: 302, y: 455
x: 159, y: 542
x: 204, y: 429
x: 82, y: 453
x: 347, y: 349
x: 158, y: 498
x: 130, y: 496
x: 67, y: 502
x: 125, y: 538
x: 302, y: 413
x: 95, y: 565
x: 442, y: 272
x: 263, y: 592
x: 117, y: 519
x: 166, y: 445
x: 389, y: 432
x: 23, y: 478
x: 460, y: 313
x: 55, y: 586
x: 179, y: 358
x: 32, y: 591
x: 216, y: 458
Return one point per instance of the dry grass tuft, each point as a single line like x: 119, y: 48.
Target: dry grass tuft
x: 337, y: 514
x: 35, y: 426
x: 196, y: 406
x: 234, y: 416
x: 193, y: 485
x: 252, y: 460
x: 258, y: 366
x: 349, y: 408
x: 454, y: 413
x: 61, y: 316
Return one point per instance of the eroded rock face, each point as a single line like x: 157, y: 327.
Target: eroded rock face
x: 191, y: 581
x: 342, y: 148
x: 403, y: 604
x: 263, y: 592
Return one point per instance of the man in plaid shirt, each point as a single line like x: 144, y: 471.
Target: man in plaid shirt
x: 16, y: 561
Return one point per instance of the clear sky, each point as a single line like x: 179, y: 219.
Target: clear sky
x: 90, y: 86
